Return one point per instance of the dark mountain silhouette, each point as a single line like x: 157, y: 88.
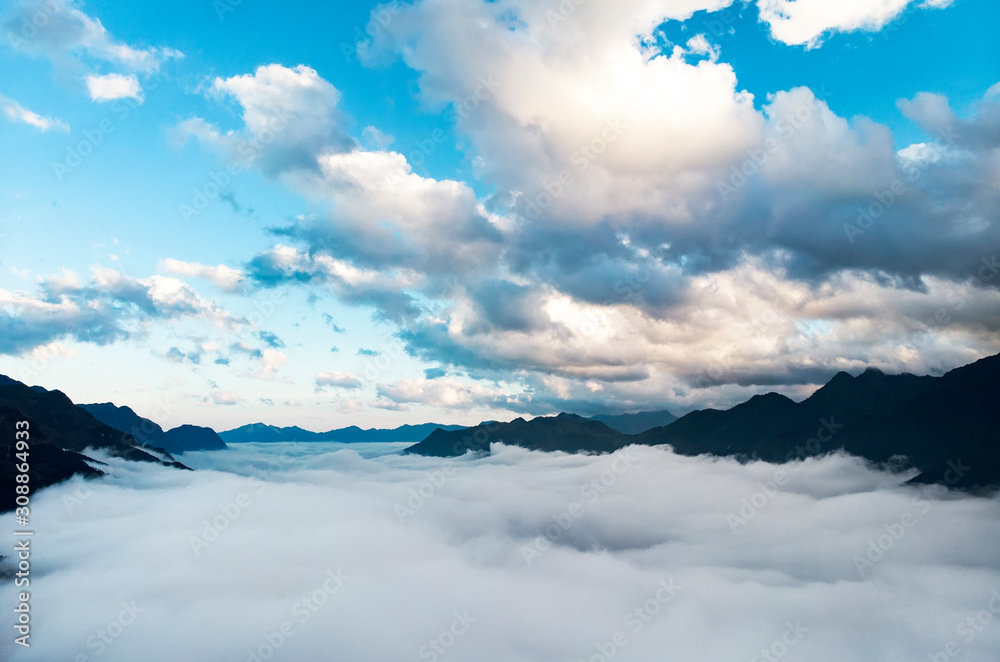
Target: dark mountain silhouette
x: 49, y: 464
x: 936, y: 423
x: 144, y: 431
x: 59, y: 434
x: 636, y: 423
x: 566, y: 432
x: 148, y: 433
x: 947, y: 427
x: 192, y: 438
x: 261, y: 433
x: 952, y: 432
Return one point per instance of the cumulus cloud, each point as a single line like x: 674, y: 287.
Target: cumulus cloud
x: 15, y: 112
x: 625, y: 243
x: 446, y: 393
x: 671, y: 240
x: 337, y: 379
x: 102, y: 310
x: 290, y: 116
x: 114, y: 86
x: 271, y: 361
x: 643, y: 129
x: 808, y: 22
x: 225, y: 278
x: 226, y: 398
x: 514, y: 543
x: 65, y: 29
x: 79, y: 45
x: 387, y: 289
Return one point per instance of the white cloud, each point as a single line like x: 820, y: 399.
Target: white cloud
x: 15, y: 112
x: 385, y: 215
x: 226, y: 398
x: 590, y: 264
x: 66, y: 34
x: 642, y: 516
x: 376, y: 138
x: 642, y: 132
x: 337, y: 379
x: 225, y: 278
x: 807, y: 22
x: 271, y: 362
x: 290, y: 116
x: 114, y: 86
x: 447, y: 393
x: 105, y: 309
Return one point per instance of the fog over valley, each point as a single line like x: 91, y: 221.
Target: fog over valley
x: 324, y: 551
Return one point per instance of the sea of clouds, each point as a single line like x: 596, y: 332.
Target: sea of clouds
x: 312, y: 552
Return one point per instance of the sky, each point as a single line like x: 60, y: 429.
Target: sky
x: 325, y: 214
x: 517, y: 556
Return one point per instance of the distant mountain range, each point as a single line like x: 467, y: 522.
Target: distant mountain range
x: 261, y: 433
x: 948, y: 427
x: 146, y: 432
x: 636, y: 423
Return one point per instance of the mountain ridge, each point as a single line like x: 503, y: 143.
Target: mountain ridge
x: 937, y: 423
x: 263, y: 433
x: 60, y: 433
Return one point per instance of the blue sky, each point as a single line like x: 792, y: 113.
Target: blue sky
x: 377, y: 222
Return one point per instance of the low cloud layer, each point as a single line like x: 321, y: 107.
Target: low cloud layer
x: 518, y: 556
